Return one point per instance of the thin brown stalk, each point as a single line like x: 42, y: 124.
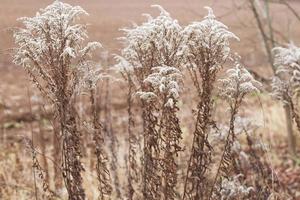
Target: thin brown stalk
x: 57, y: 145
x: 200, y: 158
x: 132, y: 139
x: 295, y: 114
x: 42, y: 140
x: 171, y: 135
x: 113, y: 143
x: 49, y: 194
x: 227, y: 158
x: 32, y: 149
x: 152, y: 180
x: 102, y: 170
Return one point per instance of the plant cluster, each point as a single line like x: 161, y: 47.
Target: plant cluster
x: 285, y: 85
x: 155, y: 57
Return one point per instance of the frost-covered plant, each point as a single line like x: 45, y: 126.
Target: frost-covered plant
x: 282, y: 90
x: 165, y: 81
x: 286, y: 83
x: 155, y: 42
x: 89, y: 82
x: 41, y: 174
x: 51, y: 49
x: 126, y: 71
x: 246, y: 123
x: 257, y: 170
x: 205, y: 50
x: 233, y: 189
x: 110, y: 134
x: 251, y: 163
x: 287, y: 60
x: 206, y: 47
x: 238, y: 83
x: 90, y: 75
x: 152, y: 44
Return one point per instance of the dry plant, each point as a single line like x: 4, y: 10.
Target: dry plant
x: 261, y: 12
x: 206, y: 51
x: 126, y: 70
x: 89, y: 82
x: 266, y: 183
x: 48, y: 193
x: 51, y: 50
x: 42, y: 141
x: 165, y: 83
x: 58, y: 182
x: 286, y: 83
x: 155, y: 43
x: 255, y: 169
x: 238, y: 83
x: 110, y: 133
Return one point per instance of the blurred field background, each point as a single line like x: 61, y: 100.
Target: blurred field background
x: 106, y: 17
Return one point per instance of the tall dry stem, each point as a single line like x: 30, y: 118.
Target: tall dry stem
x: 165, y: 81
x: 206, y: 50
x: 132, y: 166
x: 102, y: 170
x: 50, y: 48
x: 238, y: 83
x: 153, y: 44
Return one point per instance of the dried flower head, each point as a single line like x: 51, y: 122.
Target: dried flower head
x: 51, y: 49
x: 51, y: 45
x: 281, y: 90
x: 248, y: 124
x: 123, y: 66
x: 155, y: 41
x: 287, y: 60
x: 165, y: 81
x: 238, y: 83
x: 234, y: 189
x: 150, y: 60
x: 207, y: 42
x: 287, y: 81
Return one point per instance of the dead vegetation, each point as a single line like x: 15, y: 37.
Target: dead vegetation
x: 155, y: 156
